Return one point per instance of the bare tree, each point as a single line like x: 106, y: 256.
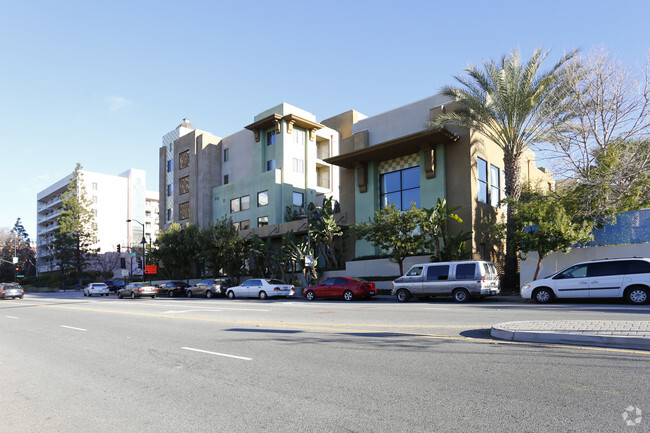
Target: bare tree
x: 605, y: 148
x: 107, y: 263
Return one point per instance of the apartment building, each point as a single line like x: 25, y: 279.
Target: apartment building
x: 395, y: 158
x: 114, y: 200
x: 253, y: 176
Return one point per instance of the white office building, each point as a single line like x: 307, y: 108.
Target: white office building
x: 114, y: 200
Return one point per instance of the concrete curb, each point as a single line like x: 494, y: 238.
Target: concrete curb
x: 502, y: 331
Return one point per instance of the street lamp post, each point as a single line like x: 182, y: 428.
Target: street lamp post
x: 144, y: 247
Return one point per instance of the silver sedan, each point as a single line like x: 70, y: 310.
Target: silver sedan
x: 137, y: 290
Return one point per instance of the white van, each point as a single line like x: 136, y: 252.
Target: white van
x: 463, y: 280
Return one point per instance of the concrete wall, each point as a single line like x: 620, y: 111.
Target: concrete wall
x: 557, y: 261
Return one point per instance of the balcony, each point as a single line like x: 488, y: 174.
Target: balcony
x: 323, y: 182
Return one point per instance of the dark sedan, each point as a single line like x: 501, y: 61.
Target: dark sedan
x: 342, y: 288
x: 172, y: 288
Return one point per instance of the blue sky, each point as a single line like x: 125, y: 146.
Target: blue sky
x: 101, y: 82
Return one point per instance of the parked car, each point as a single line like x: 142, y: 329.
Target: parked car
x: 209, y: 288
x: 100, y: 289
x: 11, y: 290
x: 608, y: 278
x: 260, y: 288
x: 463, y: 280
x: 172, y: 288
x: 341, y: 287
x: 137, y: 290
x: 114, y: 285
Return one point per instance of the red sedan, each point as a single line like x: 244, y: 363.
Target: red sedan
x: 341, y: 287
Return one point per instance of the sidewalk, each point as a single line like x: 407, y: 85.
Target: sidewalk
x: 606, y: 333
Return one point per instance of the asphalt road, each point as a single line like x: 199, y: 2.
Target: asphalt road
x: 73, y: 364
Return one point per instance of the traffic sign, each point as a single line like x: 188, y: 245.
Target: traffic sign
x: 131, y: 254
x: 150, y: 269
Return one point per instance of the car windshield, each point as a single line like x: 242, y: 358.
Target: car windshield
x: 275, y: 282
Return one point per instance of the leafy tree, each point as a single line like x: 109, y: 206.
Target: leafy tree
x: 16, y: 243
x: 224, y: 250
x: 435, y: 224
x: 545, y: 225
x: 262, y: 253
x: 514, y: 105
x: 75, y: 232
x: 394, y: 231
x: 325, y: 231
x: 177, y: 250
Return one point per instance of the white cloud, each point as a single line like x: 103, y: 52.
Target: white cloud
x: 117, y: 103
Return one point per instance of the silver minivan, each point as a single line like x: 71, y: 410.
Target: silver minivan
x: 463, y: 280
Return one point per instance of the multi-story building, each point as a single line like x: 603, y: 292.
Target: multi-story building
x: 114, y: 200
x: 254, y: 175
x: 396, y: 158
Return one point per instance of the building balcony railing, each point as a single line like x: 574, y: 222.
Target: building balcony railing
x: 323, y: 153
x: 323, y: 182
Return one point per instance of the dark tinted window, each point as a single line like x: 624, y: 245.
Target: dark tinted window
x: 438, y: 272
x: 602, y: 269
x: 341, y: 281
x: 466, y: 271
x: 637, y: 267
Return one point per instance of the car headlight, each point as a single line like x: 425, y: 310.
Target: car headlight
x: 526, y: 287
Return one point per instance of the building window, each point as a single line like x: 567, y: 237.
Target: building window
x: 184, y: 159
x: 170, y: 190
x: 495, y: 186
x: 245, y: 225
x: 170, y: 166
x: 262, y: 198
x: 401, y: 188
x: 94, y: 186
x: 262, y: 221
x: 240, y: 204
x: 169, y: 215
x: 482, y: 180
x: 184, y: 210
x: 299, y: 165
x: 225, y: 179
x: 270, y: 165
x: 270, y: 137
x: 298, y: 199
x: 226, y: 155
x: 94, y: 200
x: 184, y: 185
x: 234, y: 205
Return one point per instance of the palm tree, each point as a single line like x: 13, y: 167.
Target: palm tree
x: 513, y: 104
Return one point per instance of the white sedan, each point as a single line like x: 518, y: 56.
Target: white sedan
x: 260, y: 288
x: 100, y: 289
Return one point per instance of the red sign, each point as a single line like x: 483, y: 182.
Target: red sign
x: 151, y: 269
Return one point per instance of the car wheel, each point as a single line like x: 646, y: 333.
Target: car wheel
x: 310, y: 295
x: 348, y: 295
x: 189, y: 293
x: 231, y: 294
x: 20, y: 297
x: 170, y: 293
x: 263, y: 295
x: 119, y: 296
x: 461, y: 295
x: 132, y: 295
x: 636, y: 295
x: 208, y: 294
x: 153, y: 296
x: 403, y: 295
x: 543, y: 295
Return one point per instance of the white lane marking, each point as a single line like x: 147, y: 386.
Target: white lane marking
x: 72, y: 327
x: 218, y: 354
x: 437, y: 308
x: 186, y: 311
x: 11, y: 317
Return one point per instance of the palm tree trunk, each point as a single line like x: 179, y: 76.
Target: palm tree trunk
x: 512, y: 168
